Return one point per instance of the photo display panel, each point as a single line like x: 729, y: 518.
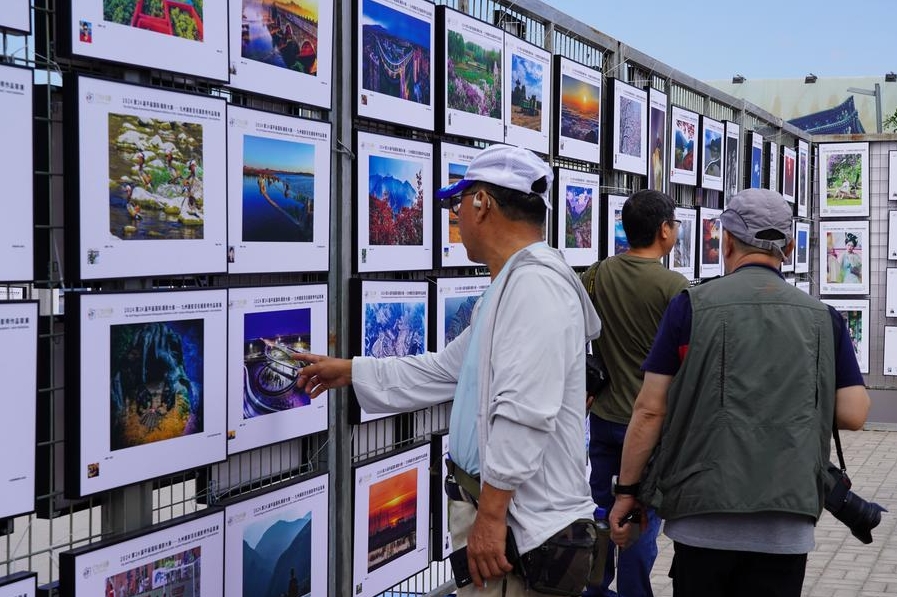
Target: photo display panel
x: 278, y: 192
x: 890, y: 350
x: 710, y: 234
x: 15, y: 15
x: 844, y: 257
x: 682, y: 257
x: 711, y: 153
x: 892, y: 175
x: 891, y: 292
x: 16, y: 158
x: 283, y: 49
x: 453, y: 162
x: 18, y: 378
x: 789, y: 167
x: 276, y: 543
x: 731, y: 168
x: 756, y: 160
x: 772, y: 165
x: 803, y: 178
x: 578, y: 101
x: 149, y: 369
x: 843, y: 179
x: 629, y: 131
x: 394, y: 61
x: 268, y: 330
x: 184, y: 557
x: 576, y: 216
x: 803, y: 285
x: 471, y: 101
x: 442, y: 536
x: 616, y: 237
x: 455, y: 299
x: 182, y: 36
x: 657, y: 140
x: 394, y: 210
x: 391, y: 322
x: 892, y: 235
x: 392, y: 506
x: 20, y: 584
x: 788, y: 263
x: 801, y: 247
x: 683, y: 146
x: 856, y: 314
x: 148, y: 185
x: 527, y: 95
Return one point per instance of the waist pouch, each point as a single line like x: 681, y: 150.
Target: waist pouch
x: 568, y: 561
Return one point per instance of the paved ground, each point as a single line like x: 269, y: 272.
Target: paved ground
x: 841, y: 566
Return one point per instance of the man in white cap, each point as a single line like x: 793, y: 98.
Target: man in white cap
x: 516, y: 375
x: 746, y: 376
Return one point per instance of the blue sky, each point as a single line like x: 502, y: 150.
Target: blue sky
x: 760, y: 39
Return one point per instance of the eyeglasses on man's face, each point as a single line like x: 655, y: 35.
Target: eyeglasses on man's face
x: 453, y: 203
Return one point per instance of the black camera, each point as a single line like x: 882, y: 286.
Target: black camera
x: 856, y: 513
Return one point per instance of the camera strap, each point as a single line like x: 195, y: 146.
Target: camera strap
x: 838, y: 447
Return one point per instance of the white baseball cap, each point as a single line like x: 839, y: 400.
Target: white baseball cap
x: 505, y: 166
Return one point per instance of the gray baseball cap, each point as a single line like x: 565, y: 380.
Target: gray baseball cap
x: 760, y: 218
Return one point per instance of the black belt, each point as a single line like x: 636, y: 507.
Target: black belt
x: 460, y: 485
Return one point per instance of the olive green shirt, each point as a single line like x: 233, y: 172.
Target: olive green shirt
x: 631, y: 295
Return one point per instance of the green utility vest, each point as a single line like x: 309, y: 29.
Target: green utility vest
x: 749, y: 414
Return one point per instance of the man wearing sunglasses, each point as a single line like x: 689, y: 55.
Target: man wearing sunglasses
x: 516, y: 375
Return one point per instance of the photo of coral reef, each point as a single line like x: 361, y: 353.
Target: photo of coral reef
x: 277, y: 554
x: 179, y: 18
x: 394, y: 329
x: 526, y: 95
x: 177, y: 574
x: 395, y: 201
x: 578, y: 217
x: 282, y: 33
x: 474, y: 76
x: 278, y: 190
x: 155, y: 179
x: 273, y: 343
x: 580, y: 102
x: 156, y: 387
x: 395, y: 55
x: 392, y: 518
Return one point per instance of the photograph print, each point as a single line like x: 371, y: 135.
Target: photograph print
x: 278, y: 192
x: 269, y: 329
x: 772, y: 165
x: 391, y: 520
x: 683, y: 146
x: 577, y: 217
x: 179, y: 573
x: 892, y: 235
x: 892, y: 175
x: 156, y: 385
x: 756, y: 160
x: 890, y: 350
x: 455, y: 299
x: 473, y: 77
x: 154, y: 404
x: 147, y: 181
x: 803, y: 178
x: 17, y: 223
x: 856, y: 316
x: 711, y: 154
x: 276, y: 543
x: 843, y: 179
x: 16, y: 16
x: 844, y: 251
x: 629, y: 128
x: 789, y: 169
x: 395, y: 51
x: 657, y: 148
x: 617, y: 242
x: 891, y: 292
x: 394, y: 209
x: 801, y: 247
x: 683, y: 256
x: 21, y: 584
x: 282, y: 49
x: 710, y: 233
x: 183, y: 36
x: 527, y: 95
x: 453, y: 162
x: 579, y: 117
x: 730, y: 173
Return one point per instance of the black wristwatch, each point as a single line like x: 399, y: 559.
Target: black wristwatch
x: 618, y: 489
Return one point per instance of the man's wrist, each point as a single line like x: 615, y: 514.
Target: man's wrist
x: 619, y: 489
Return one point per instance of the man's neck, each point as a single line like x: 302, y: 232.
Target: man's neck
x: 654, y: 251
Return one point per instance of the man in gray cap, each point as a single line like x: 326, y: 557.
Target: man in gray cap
x: 516, y: 375
x: 742, y: 385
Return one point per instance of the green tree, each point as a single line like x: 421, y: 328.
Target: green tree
x: 890, y: 123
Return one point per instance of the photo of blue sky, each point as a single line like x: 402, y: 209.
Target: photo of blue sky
x: 528, y: 73
x: 278, y: 155
x: 396, y: 23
